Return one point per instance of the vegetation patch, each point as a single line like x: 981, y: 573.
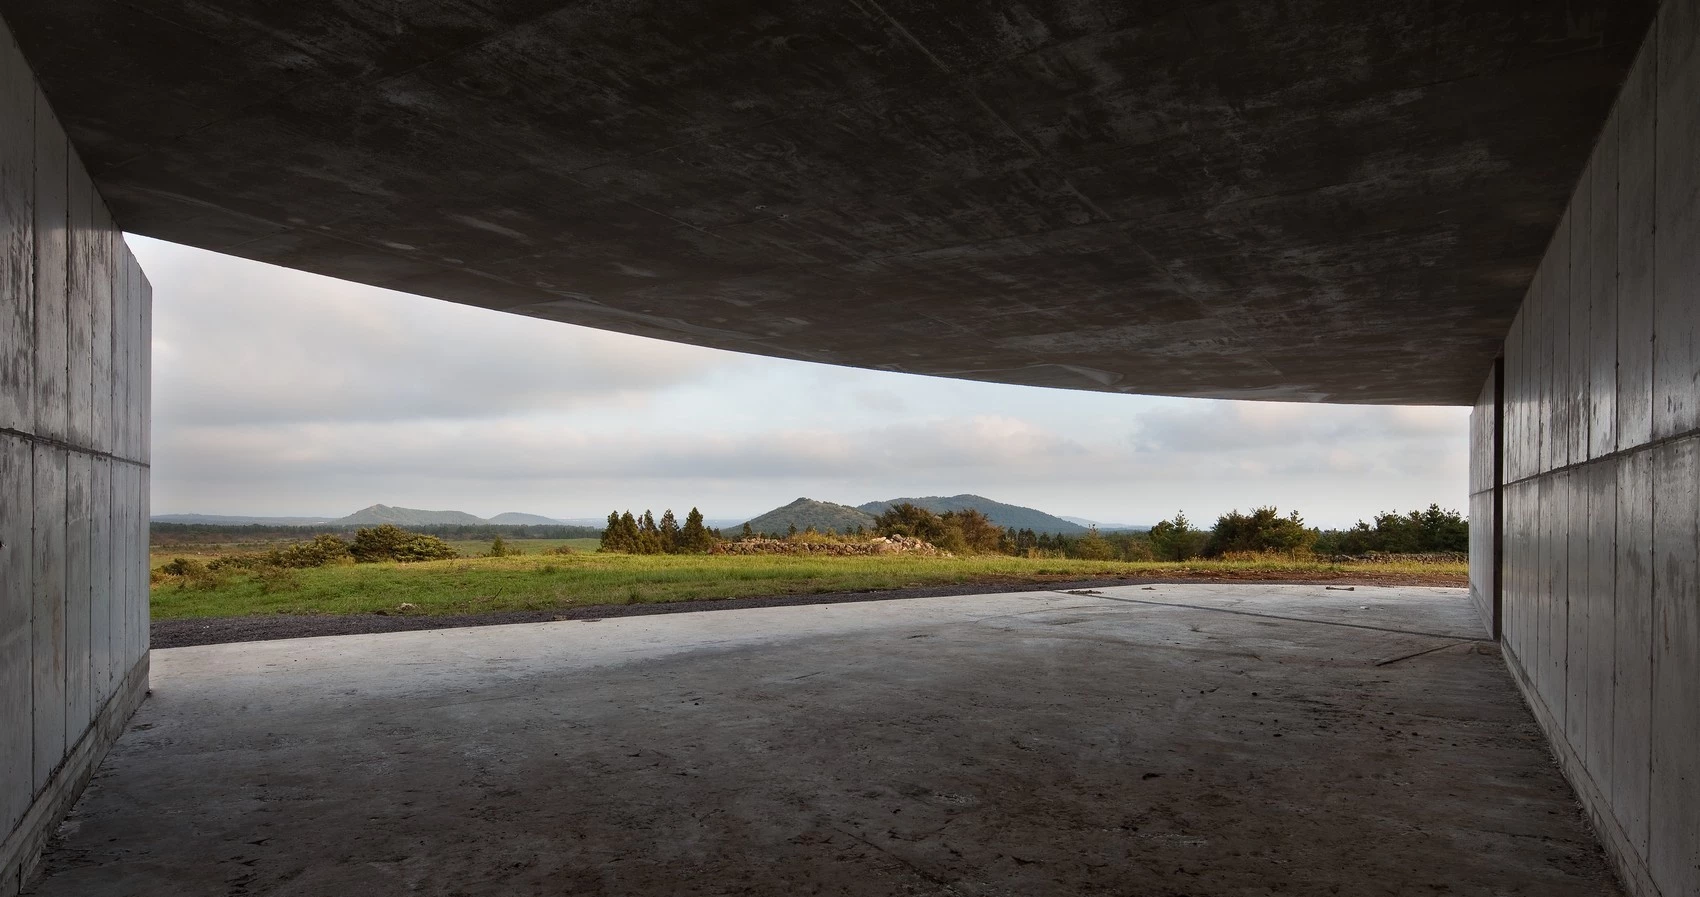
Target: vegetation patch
x: 538, y: 582
x: 638, y: 559
x: 814, y: 544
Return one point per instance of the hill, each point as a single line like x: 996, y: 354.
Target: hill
x: 1007, y: 516
x: 377, y: 514
x: 1110, y: 527
x: 806, y: 512
x: 515, y: 518
x: 237, y: 520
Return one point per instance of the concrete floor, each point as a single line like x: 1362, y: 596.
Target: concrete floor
x: 1180, y: 740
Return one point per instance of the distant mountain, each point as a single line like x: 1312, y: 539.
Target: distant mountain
x: 1003, y: 515
x: 806, y: 512
x: 237, y: 520
x: 1110, y: 527
x: 378, y: 514
x: 515, y: 518
x: 583, y: 521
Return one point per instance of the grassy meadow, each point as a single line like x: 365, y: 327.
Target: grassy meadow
x: 537, y: 581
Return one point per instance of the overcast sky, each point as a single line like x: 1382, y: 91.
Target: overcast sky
x: 283, y: 393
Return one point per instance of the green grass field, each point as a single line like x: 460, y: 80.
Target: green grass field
x: 475, y: 547
x: 542, y: 582
x: 159, y: 555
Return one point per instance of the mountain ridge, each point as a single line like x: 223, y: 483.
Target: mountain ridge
x: 518, y: 518
x: 1109, y: 527
x: 1004, y: 515
x: 380, y: 514
x: 238, y: 520
x: 806, y: 512
x: 802, y: 513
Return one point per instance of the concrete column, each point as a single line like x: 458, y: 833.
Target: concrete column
x: 74, y: 317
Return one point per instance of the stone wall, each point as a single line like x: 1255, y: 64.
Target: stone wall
x: 74, y: 331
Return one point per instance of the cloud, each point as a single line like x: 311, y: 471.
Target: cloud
x: 538, y: 451
x: 1207, y: 427
x: 882, y: 400
x: 239, y: 342
x: 279, y: 392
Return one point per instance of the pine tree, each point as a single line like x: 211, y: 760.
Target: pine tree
x: 628, y: 533
x: 669, y: 532
x: 611, y: 532
x: 649, y: 536
x: 695, y: 538
x: 747, y: 532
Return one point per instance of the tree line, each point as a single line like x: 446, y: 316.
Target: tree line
x: 1262, y: 530
x: 1429, y: 531
x: 643, y: 535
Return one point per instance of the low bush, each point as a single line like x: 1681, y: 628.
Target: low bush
x: 189, y: 573
x: 1263, y: 530
x: 324, y: 550
x: 183, y: 567
x: 237, y: 562
x: 501, y: 548
x: 392, y: 543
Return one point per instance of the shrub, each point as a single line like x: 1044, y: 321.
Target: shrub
x: 1093, y: 547
x: 1264, y: 529
x: 561, y: 550
x: 908, y: 520
x: 499, y: 548
x: 190, y: 573
x: 1430, y: 531
x: 974, y: 532
x: 1175, y: 540
x: 229, y: 562
x: 389, y: 542
x: 184, y: 567
x: 323, y: 551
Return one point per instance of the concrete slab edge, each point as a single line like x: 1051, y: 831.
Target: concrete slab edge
x: 21, y: 851
x: 1631, y: 867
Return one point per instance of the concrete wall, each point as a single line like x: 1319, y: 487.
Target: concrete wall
x: 74, y: 331
x: 1601, y: 456
x: 1485, y: 477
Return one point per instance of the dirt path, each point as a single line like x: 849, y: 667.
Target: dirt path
x: 219, y: 630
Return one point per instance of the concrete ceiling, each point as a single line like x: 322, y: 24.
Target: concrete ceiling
x: 1334, y: 200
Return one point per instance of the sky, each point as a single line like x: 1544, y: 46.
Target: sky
x: 282, y: 393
